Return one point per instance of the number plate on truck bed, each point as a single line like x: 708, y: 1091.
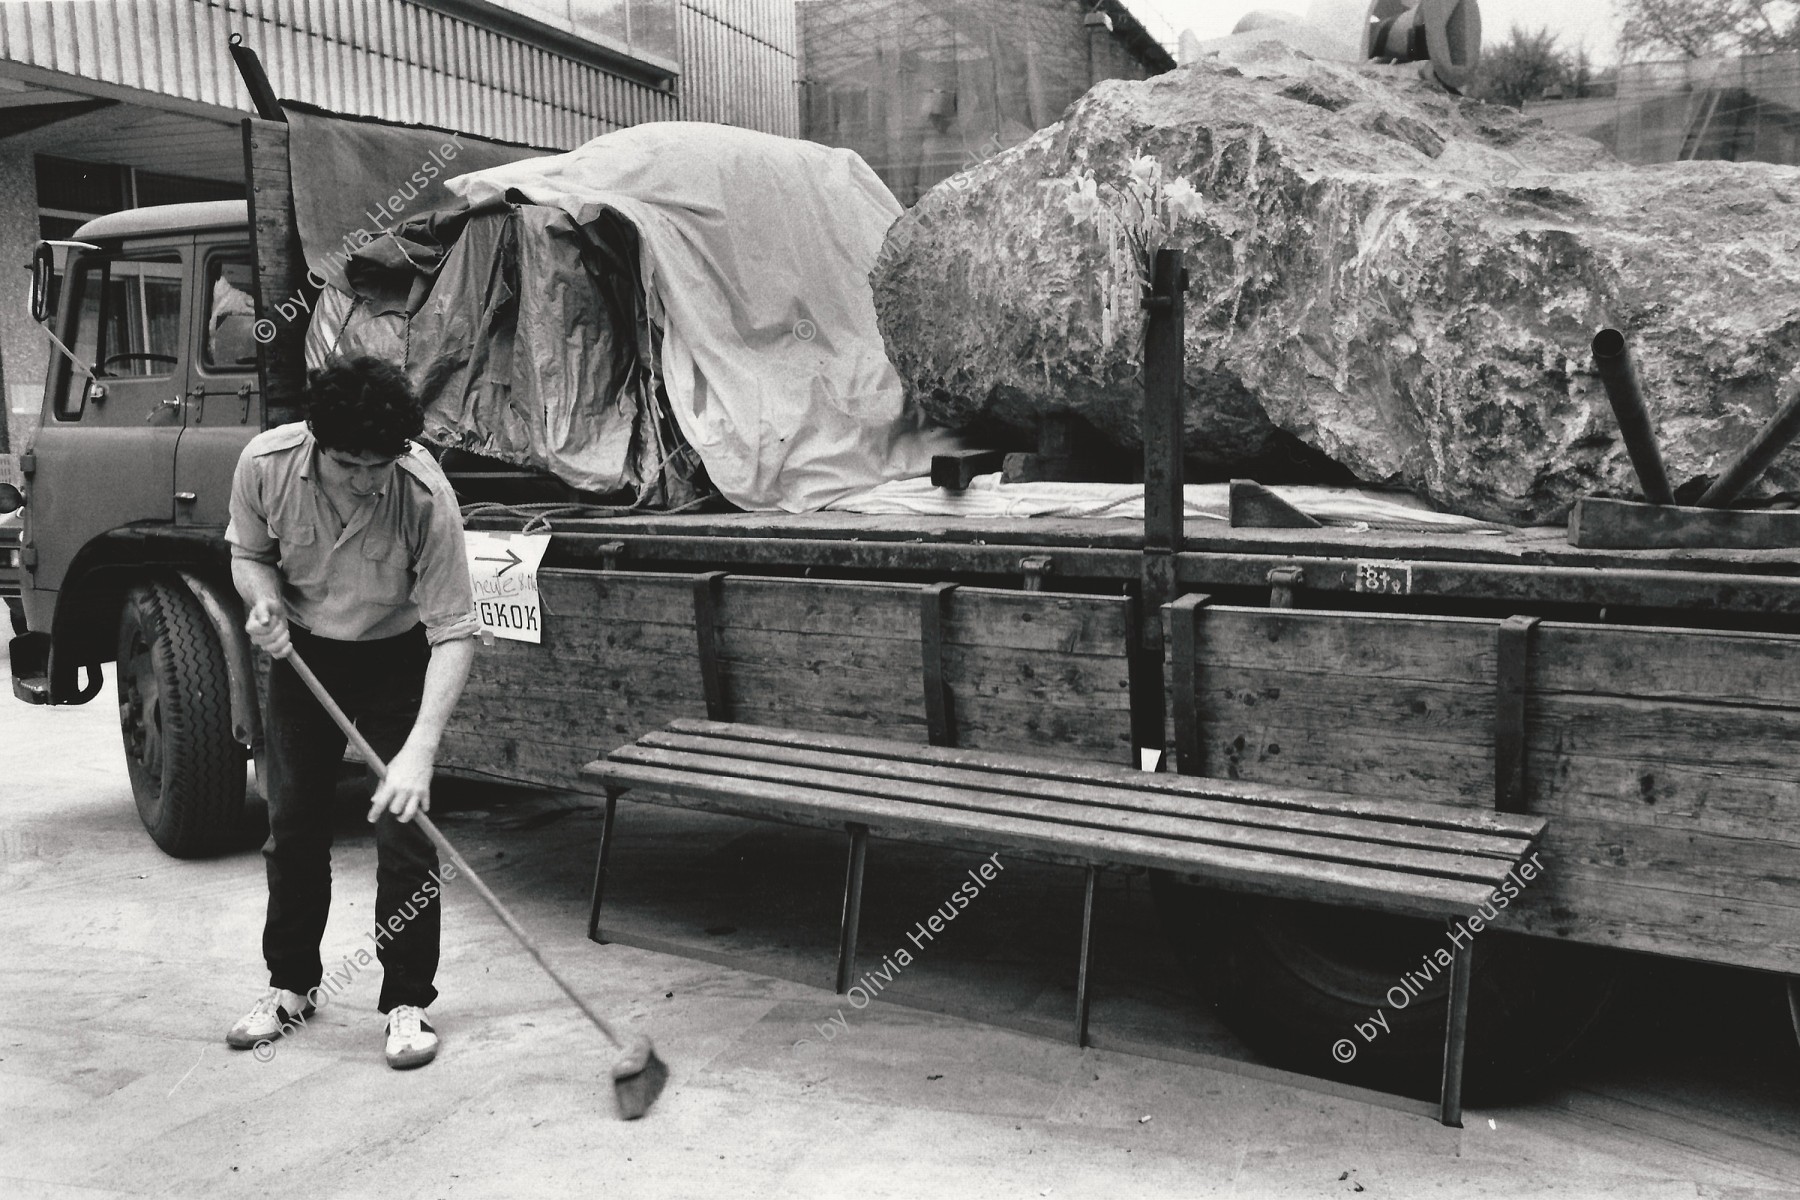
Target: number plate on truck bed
x: 1385, y: 579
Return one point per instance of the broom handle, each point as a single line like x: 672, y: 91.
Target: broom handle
x: 443, y: 844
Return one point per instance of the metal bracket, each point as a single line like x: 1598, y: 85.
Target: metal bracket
x: 708, y: 591
x: 1034, y: 567
x: 1283, y: 583
x: 610, y: 554
x: 1512, y: 650
x: 934, y: 611
x: 1184, y: 641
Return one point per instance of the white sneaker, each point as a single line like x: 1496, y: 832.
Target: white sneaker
x: 411, y: 1041
x: 277, y: 1013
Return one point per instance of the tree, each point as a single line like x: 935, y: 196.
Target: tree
x: 1703, y: 28
x: 1521, y: 68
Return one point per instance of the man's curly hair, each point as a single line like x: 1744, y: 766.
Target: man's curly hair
x: 362, y: 406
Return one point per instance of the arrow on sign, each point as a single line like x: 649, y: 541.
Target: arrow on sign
x: 510, y: 554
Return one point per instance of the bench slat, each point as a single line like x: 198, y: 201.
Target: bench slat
x: 1248, y: 870
x: 975, y: 800
x: 1110, y: 798
x: 1304, y: 799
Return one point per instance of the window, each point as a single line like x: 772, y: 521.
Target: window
x: 127, y: 323
x: 230, y: 344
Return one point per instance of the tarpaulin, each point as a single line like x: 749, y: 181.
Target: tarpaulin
x: 356, y: 180
x: 755, y: 253
x: 524, y: 337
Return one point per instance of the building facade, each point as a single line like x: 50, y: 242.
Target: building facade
x: 116, y: 105
x: 924, y: 88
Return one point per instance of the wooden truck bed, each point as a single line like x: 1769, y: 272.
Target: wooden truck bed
x: 1667, y: 753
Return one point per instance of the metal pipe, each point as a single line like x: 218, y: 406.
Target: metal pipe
x: 1755, y: 458
x: 1612, y: 359
x: 256, y: 80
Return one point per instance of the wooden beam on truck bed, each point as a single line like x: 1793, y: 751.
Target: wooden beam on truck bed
x: 1254, y: 506
x: 1598, y: 523
x: 957, y: 469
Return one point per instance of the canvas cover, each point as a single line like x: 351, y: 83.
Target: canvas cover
x: 355, y: 180
x: 754, y: 254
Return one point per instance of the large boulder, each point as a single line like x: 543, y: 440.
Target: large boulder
x: 1403, y: 279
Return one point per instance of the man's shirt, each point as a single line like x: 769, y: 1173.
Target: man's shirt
x: 398, y: 562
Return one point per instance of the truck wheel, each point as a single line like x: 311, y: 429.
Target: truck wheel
x: 187, y: 771
x: 1295, y: 980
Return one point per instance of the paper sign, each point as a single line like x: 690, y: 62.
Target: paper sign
x: 503, y: 567
x: 9, y: 470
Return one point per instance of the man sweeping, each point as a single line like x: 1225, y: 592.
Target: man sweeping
x: 346, y: 545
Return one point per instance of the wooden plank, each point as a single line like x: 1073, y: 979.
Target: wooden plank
x: 957, y: 469
x: 1685, y: 806
x: 1064, y: 622
x: 1652, y: 662
x: 1126, y: 795
x: 1601, y: 524
x: 1036, y: 766
x: 1272, y: 874
x: 1095, y: 802
x: 1385, y: 646
x: 1056, y: 817
x: 1434, y: 744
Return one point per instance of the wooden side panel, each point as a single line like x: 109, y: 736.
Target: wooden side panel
x: 1036, y: 671
x: 1668, y: 760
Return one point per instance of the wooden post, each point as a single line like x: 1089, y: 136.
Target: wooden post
x: 1161, y: 428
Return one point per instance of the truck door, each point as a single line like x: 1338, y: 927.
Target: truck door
x: 106, y: 450
x: 223, y: 408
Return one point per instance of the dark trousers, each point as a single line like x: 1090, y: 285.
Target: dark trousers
x: 379, y: 684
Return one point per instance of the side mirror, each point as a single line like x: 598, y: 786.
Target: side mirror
x: 11, y: 499
x: 43, y: 270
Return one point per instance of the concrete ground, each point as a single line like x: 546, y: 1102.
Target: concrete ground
x: 124, y: 967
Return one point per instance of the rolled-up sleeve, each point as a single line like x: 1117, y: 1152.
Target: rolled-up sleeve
x: 441, y: 588
x: 248, y: 532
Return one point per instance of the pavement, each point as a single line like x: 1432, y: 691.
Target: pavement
x: 124, y: 968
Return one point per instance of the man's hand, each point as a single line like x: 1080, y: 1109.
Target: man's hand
x: 268, y: 627
x: 407, y: 788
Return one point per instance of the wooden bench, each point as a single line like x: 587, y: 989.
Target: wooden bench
x: 1381, y: 855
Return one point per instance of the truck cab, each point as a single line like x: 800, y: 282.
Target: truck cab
x: 150, y: 397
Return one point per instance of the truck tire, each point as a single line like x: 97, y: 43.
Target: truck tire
x: 186, y: 769
x: 1295, y: 980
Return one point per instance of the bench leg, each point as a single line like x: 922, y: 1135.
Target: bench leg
x: 1456, y: 1034
x: 1087, y: 952
x: 853, y: 884
x: 606, y: 834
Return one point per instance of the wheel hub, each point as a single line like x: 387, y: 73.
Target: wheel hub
x: 140, y: 712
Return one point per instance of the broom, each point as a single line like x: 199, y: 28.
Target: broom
x: 638, y: 1076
